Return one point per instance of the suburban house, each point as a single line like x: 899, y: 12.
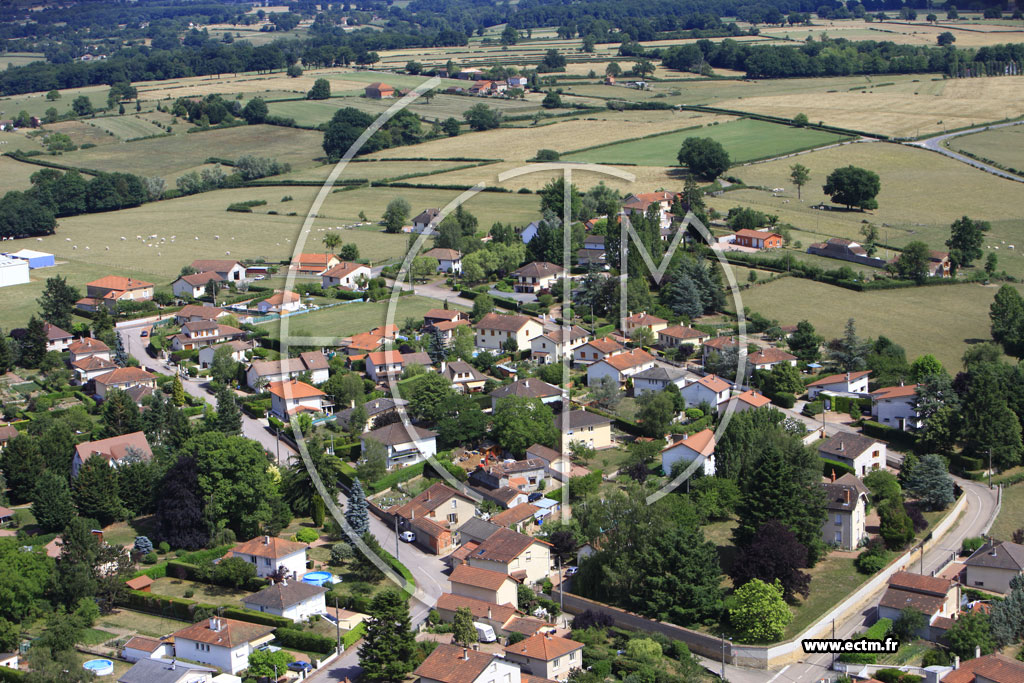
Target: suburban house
x: 536, y: 277
x: 404, y: 445
x: 293, y: 600
x: 620, y: 366
x: 494, y: 329
x: 658, y: 378
x: 56, y: 338
x: 448, y: 260
x: 314, y: 264
x: 7, y: 432
x: 677, y: 335
x: 596, y: 350
x: 434, y: 515
x: 689, y: 447
x: 166, y: 670
x: 488, y: 585
x: 767, y: 358
x: 229, y: 270
x: 591, y: 257
x: 498, y: 617
x: 547, y: 656
x: 475, y: 531
x: 109, y: 290
x: 757, y: 239
x: 194, y: 313
x: 521, y: 518
x: 554, y: 346
x: 124, y: 379
x: 313, y: 362
x: 717, y: 346
x: 442, y: 315
x: 896, y: 407
x: 590, y: 429
x: 114, y: 450
x: 644, y: 320
x: 281, y: 302
x: 594, y: 242
x: 463, y: 376
x: 846, y: 500
x: 382, y: 366
x: 379, y: 91
x: 238, y: 349
x: 556, y: 465
x: 140, y: 648
x: 849, y: 383
x: 523, y: 475
x: 454, y: 664
x: 845, y: 250
x: 639, y: 203
x: 195, y: 335
x: 292, y: 396
x: 344, y: 274
x: 748, y: 400
x: 220, y: 642
x: 426, y: 220
x: 273, y: 556
x: 364, y: 342
x: 375, y: 410
x: 194, y: 286
x: 860, y: 452
x: 994, y: 668
x: 710, y: 389
x: 522, y: 557
x: 91, y: 367
x: 994, y: 564
x: 935, y: 598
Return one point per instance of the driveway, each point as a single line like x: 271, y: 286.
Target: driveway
x: 936, y: 145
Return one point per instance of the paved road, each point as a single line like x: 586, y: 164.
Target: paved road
x: 936, y: 145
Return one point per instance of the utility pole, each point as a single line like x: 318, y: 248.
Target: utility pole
x: 723, y: 656
x: 337, y: 623
x: 396, y: 537
x: 990, y: 467
x: 561, y: 589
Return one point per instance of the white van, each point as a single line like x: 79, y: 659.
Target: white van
x: 484, y: 633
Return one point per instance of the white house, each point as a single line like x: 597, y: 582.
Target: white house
x: 862, y: 453
x: 238, y: 349
x: 843, y: 383
x: 547, y: 656
x: 494, y: 329
x: 448, y: 260
x: 846, y: 501
x: 345, y: 274
x: 273, y: 556
x: 536, y: 276
x: 552, y: 347
x: 748, y: 400
x: 620, y: 366
x: 220, y: 642
x: 141, y: 647
x: 896, y: 407
x: 194, y: 286
x: 282, y: 302
x: 710, y: 389
x: 454, y: 664
x: 293, y: 600
x: 766, y: 359
x: 56, y: 338
x: 404, y: 445
x: 313, y: 362
x: 677, y: 335
x: 229, y: 270
x: 293, y: 396
x: 384, y: 365
x: 596, y: 350
x: 124, y: 379
x: 426, y: 220
x: 639, y: 203
x: 687, y: 448
x: 658, y: 378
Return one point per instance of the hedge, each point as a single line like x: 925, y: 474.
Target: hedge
x: 784, y: 400
x: 877, y: 631
x: 827, y: 466
x: 389, y: 480
x: 175, y: 608
x: 813, y: 408
x: 352, y: 636
x: 14, y: 674
x: 254, y: 617
x: 905, y: 440
x: 970, y: 464
x: 304, y: 640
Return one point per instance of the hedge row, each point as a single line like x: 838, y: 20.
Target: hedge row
x: 176, y: 608
x: 780, y: 120
x: 829, y: 466
x: 304, y: 640
x: 1009, y: 480
x: 11, y: 674
x: 878, y: 631
x: 389, y: 480
x: 254, y: 617
x: 892, y: 435
x: 352, y: 636
x: 423, y: 186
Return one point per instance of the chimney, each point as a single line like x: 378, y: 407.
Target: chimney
x: 428, y: 493
x: 526, y: 384
x: 213, y: 623
x: 956, y: 662
x: 847, y: 377
x: 266, y: 540
x: 833, y: 475
x: 685, y: 436
x: 465, y: 654
x: 846, y: 496
x: 977, y: 651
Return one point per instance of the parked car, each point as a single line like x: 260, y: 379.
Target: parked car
x: 408, y: 536
x: 144, y: 333
x: 536, y: 495
x: 301, y: 667
x: 571, y: 571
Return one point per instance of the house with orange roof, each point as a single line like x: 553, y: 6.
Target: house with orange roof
x: 223, y: 643
x: 637, y: 204
x: 994, y: 668
x: 757, y: 239
x: 677, y: 335
x: 536, y: 277
x: 454, y: 664
x: 379, y: 91
x: 291, y: 397
x: 717, y: 345
x: 109, y: 290
x: 346, y: 274
x: 273, y: 556
x: 547, y: 656
x: 521, y: 518
x: 710, y: 389
x: 364, y: 342
x: 382, y: 366
x: 193, y: 313
x: 620, y: 366
x: 281, y: 302
x: 644, y: 320
x: 141, y: 647
x: 554, y: 346
x: 114, y: 450
x: 314, y: 264
x: 847, y: 383
x: 896, y: 407
x: 89, y: 368
x: 124, y: 379
x: 485, y: 584
x: 596, y: 350
x: 767, y: 358
x: 748, y: 400
x: 686, y: 448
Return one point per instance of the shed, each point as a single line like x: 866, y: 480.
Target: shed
x: 36, y: 259
x: 13, y: 271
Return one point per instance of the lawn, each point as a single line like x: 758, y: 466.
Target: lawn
x: 608, y: 460
x: 127, y: 127
x: 1005, y: 146
x: 205, y: 593
x: 1011, y: 514
x: 744, y: 140
x: 488, y: 207
x: 141, y: 623
x: 832, y: 580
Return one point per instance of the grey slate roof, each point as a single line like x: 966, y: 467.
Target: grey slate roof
x: 846, y: 445
x: 998, y: 555
x: 659, y: 373
x: 160, y: 671
x: 477, y: 529
x: 285, y: 594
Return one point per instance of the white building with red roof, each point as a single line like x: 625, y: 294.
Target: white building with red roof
x: 281, y: 302
x: 847, y: 383
x: 220, y: 642
x: 644, y: 320
x: 345, y: 274
x: 271, y: 555
x: 596, y: 350
x: 620, y: 366
x: 689, y: 447
x: 114, y: 450
x: 767, y: 358
x: 710, y: 389
x: 748, y: 400
x: 448, y: 260
x: 639, y: 203
x: 124, y: 379
x: 547, y: 656
x: 454, y: 664
x: 896, y: 407
x: 677, y: 335
x: 109, y: 290
x: 56, y: 338
x: 292, y: 397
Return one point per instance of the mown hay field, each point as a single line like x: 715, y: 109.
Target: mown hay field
x: 36, y: 104
x: 14, y: 175
x: 920, y: 32
x: 81, y: 132
x: 375, y: 170
x: 9, y: 59
x: 1003, y: 145
x: 127, y: 127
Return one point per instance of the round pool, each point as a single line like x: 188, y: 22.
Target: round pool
x: 318, y: 578
x: 100, y: 667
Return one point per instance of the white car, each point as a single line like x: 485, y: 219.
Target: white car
x: 408, y: 536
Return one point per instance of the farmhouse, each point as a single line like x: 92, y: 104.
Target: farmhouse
x: 935, y: 598
x: 686, y: 448
x: 596, y: 350
x: 554, y: 346
x: 620, y: 366
x: 590, y: 429
x: 448, y: 260
x: 433, y: 515
x: 124, y: 379
x: 495, y: 329
x: 314, y: 264
x: 290, y: 397
x: 939, y: 264
x: 293, y: 600
x: 282, y: 302
x: 220, y: 642
x: 896, y: 407
x: 994, y: 564
x: 547, y: 656
x: 109, y: 290
x: 850, y: 383
x: 344, y: 274
x: 404, y: 445
x: 425, y: 221
x: 757, y: 239
x: 194, y: 286
x: 454, y: 664
x: 114, y: 450
x: 228, y: 269
x: 536, y: 277
x: 313, y: 362
x: 379, y: 91
x: 846, y: 501
x: 677, y: 335
x: 857, y: 451
x: 273, y: 556
x: 528, y: 387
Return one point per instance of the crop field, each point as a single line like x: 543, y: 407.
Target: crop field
x: 377, y: 170
x: 1005, y: 146
x: 920, y: 32
x: 127, y: 127
x: 36, y: 104
x: 81, y: 133
x: 394, y: 80
x: 648, y: 178
x: 744, y: 139
x: 349, y: 319
x: 489, y: 207
x: 14, y: 175
x: 942, y: 320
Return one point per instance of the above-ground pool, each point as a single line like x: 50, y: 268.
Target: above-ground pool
x: 318, y: 578
x: 100, y: 667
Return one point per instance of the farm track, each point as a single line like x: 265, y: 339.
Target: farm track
x: 936, y: 144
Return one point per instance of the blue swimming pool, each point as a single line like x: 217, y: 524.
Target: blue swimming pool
x: 100, y: 667
x: 318, y: 578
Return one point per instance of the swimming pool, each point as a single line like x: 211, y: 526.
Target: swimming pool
x: 100, y: 667
x: 318, y: 578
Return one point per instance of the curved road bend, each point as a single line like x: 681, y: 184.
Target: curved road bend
x: 936, y: 145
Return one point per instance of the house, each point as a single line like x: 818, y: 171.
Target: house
x: 495, y: 329
x: 529, y: 232
x: 939, y: 264
x: 845, y: 250
x: 658, y: 378
x: 124, y: 379
x: 689, y: 447
x: 220, y: 642
x: 748, y: 400
x: 476, y: 531
x: 426, y: 221
x: 237, y: 347
x: 710, y: 389
x: 596, y: 350
x: 994, y: 668
x: 290, y: 397
x: 273, y: 556
x: 313, y: 362
x: 757, y: 239
x: 56, y: 338
x: 88, y: 369
x: 281, y: 302
x: 446, y: 330
x: 494, y: 615
x: 620, y: 366
x: 454, y: 664
x: 486, y: 585
x: 229, y: 270
x: 435, y: 515
x: 293, y: 600
x: 994, y: 564
x: 930, y: 595
x: 594, y: 242
x: 382, y: 366
x: 442, y: 315
x: 471, y: 74
x: 523, y: 475
x: 677, y: 335
x: 556, y: 465
x: 194, y: 286
x: 364, y: 342
x: 850, y: 383
x: 375, y: 410
x: 35, y: 259
x: 7, y: 432
x: 109, y: 290
x: 846, y: 501
x: 639, y: 203
x: 314, y: 264
x: 405, y: 445
x: 554, y: 346
x: 712, y: 348
x: 345, y: 274
x: 14, y: 271
x: 164, y: 670
x: 194, y: 313
x: 463, y: 376
x: 547, y: 656
x: 644, y: 320
x: 896, y: 407
x: 767, y: 358
x: 379, y: 91
x: 516, y: 81
x: 521, y: 518
x: 590, y: 429
x: 591, y: 257
x: 536, y: 277
x: 140, y: 648
x: 505, y: 497
x: 448, y: 260
x: 860, y: 452
x: 195, y: 335
x: 114, y: 450
x: 481, y: 88
x: 522, y: 557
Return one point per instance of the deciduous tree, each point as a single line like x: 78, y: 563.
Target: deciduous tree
x: 853, y: 187
x: 761, y: 613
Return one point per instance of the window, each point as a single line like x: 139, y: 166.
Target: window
x: 528, y: 554
x: 455, y: 504
x: 266, y: 561
x: 453, y: 518
x: 572, y: 655
x: 557, y: 662
x: 839, y: 520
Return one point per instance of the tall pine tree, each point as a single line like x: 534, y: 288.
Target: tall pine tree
x: 33, y: 345
x: 229, y: 417
x: 357, y: 514
x: 51, y: 502
x: 6, y: 354
x: 57, y: 302
x: 96, y: 492
x: 386, y: 654
x: 120, y: 355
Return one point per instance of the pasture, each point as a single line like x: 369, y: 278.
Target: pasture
x: 376, y: 170
x: 743, y: 139
x: 1005, y: 146
x: 920, y: 32
x: 9, y: 59
x: 36, y: 104
x: 488, y: 207
x: 128, y: 127
x: 349, y: 319
x: 942, y: 320
x: 648, y: 178
x: 14, y: 175
x: 81, y: 133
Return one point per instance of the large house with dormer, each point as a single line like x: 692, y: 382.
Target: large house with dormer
x: 536, y: 277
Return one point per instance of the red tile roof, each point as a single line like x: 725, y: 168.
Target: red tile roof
x: 125, y: 375
x: 713, y: 382
x: 628, y: 359
x: 116, y: 282
x: 230, y: 634
x: 293, y: 389
x: 770, y: 355
x: 480, y: 608
x: 753, y: 398
x: 841, y: 377
x: 481, y: 578
x: 702, y: 442
x: 543, y: 647
x: 901, y: 391
x: 996, y: 668
x: 268, y: 546
x: 454, y: 664
x: 682, y: 332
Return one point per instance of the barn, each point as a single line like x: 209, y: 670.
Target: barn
x: 36, y: 259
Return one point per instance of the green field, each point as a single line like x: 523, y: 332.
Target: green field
x: 127, y: 127
x: 36, y: 104
x: 14, y: 175
x: 1005, y: 146
x: 1011, y: 514
x: 349, y: 319
x: 744, y: 140
x: 375, y: 170
x: 9, y: 59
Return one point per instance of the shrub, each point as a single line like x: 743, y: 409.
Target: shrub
x: 590, y: 618
x: 969, y: 545
x: 783, y: 400
x: 303, y: 640
x: 935, y: 657
x: 306, y: 535
x: 896, y: 676
x: 164, y: 547
x: 872, y: 558
x: 189, y: 593
x: 813, y: 408
x: 149, y: 558
x: 877, y: 631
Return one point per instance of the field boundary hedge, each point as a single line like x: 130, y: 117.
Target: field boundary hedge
x: 624, y: 140
x: 778, y: 119
x: 33, y: 159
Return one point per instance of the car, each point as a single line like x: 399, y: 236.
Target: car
x: 301, y: 667
x: 536, y: 495
x: 571, y: 571
x: 260, y: 277
x: 408, y: 536
x: 144, y: 333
